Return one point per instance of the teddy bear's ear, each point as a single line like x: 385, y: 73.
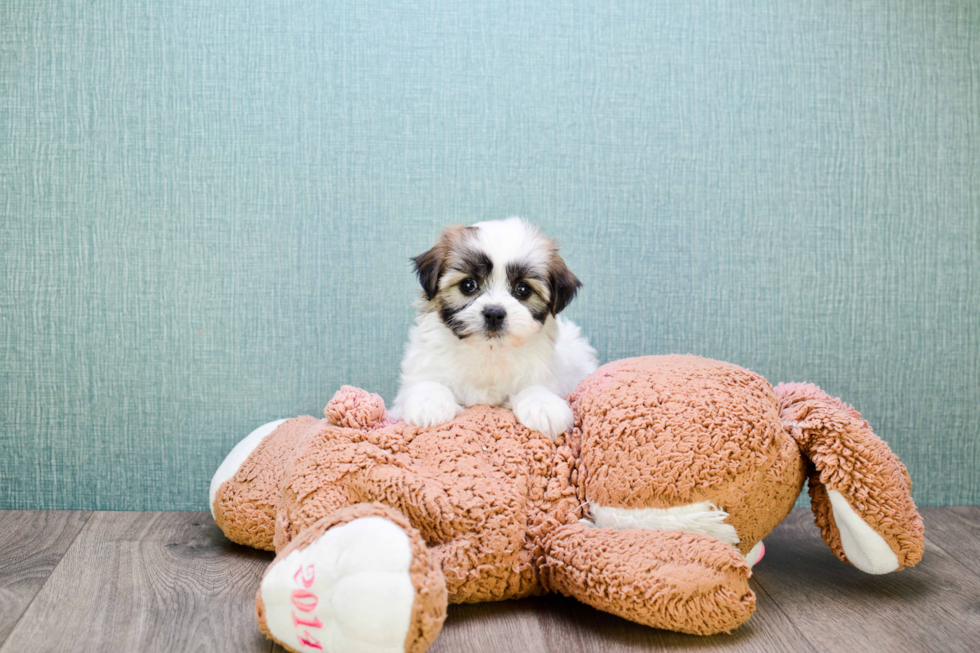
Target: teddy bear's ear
x: 562, y: 284
x: 849, y: 463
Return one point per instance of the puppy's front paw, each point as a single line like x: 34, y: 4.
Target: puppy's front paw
x: 429, y: 404
x: 431, y: 412
x: 539, y: 409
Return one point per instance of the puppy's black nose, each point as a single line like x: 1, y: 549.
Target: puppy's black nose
x: 494, y: 316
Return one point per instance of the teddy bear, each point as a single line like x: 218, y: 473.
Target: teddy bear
x: 652, y: 507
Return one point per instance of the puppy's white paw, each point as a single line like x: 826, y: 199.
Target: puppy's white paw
x: 431, y: 412
x: 428, y: 404
x: 539, y: 409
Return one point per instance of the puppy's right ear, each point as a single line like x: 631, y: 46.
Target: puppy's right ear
x: 429, y: 266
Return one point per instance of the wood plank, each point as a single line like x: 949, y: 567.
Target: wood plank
x: 932, y: 606
x: 562, y: 625
x: 957, y: 532
x: 571, y: 626
x: 147, y: 582
x: 171, y: 581
x: 504, y: 627
x: 31, y: 545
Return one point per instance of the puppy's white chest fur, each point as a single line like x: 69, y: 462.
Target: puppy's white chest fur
x: 479, y: 372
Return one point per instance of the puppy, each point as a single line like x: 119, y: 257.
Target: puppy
x: 488, y: 331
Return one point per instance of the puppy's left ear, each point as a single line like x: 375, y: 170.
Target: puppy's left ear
x: 562, y: 284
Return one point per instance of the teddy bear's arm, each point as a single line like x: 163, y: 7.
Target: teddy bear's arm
x: 685, y: 582
x: 246, y: 487
x: 371, y: 477
x: 860, y: 492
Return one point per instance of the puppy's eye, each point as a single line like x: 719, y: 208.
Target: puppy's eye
x: 467, y: 286
x: 522, y: 290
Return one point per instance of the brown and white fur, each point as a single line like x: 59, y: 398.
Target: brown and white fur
x: 488, y: 331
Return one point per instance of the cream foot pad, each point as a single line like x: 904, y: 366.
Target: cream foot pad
x: 349, y: 591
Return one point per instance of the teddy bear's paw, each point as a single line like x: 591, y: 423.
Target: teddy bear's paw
x: 349, y: 591
x: 864, y: 548
x: 541, y: 410
x: 233, y: 461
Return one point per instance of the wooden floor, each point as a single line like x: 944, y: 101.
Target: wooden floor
x: 81, y: 581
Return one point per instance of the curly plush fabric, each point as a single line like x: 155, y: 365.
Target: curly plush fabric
x: 663, y: 431
x: 354, y: 408
x: 246, y: 504
x: 495, y: 511
x: 846, y: 456
x: 429, y: 604
x: 686, y: 582
x: 482, y: 489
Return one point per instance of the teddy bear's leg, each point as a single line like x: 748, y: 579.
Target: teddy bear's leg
x: 861, y: 494
x: 425, y: 503
x: 246, y: 488
x: 478, y: 549
x: 360, y: 580
x: 686, y: 582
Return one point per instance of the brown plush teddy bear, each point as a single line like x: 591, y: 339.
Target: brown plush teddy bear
x: 653, y: 507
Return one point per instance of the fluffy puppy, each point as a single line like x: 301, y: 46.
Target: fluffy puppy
x: 488, y: 331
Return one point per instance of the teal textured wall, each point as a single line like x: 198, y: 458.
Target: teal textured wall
x: 208, y: 209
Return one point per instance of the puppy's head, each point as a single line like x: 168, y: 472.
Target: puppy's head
x: 497, y: 281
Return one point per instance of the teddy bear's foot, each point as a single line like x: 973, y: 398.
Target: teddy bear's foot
x: 246, y: 488
x: 687, y: 582
x: 358, y: 580
x: 239, y: 453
